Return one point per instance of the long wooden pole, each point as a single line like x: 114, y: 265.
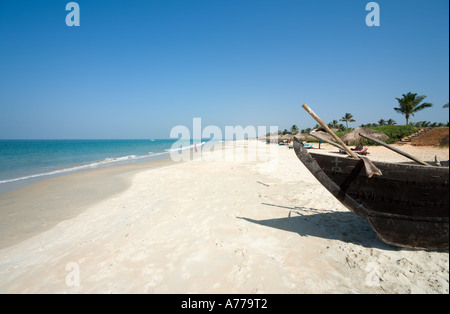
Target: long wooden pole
x: 327, y: 141
x: 398, y: 151
x: 335, y: 137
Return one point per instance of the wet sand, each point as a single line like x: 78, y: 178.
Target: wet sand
x: 38, y: 207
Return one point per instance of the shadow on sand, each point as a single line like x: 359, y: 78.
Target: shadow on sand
x: 342, y: 226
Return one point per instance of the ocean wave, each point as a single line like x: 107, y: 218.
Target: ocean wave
x: 93, y: 165
x: 185, y: 147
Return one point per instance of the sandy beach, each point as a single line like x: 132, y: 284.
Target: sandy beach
x: 204, y: 227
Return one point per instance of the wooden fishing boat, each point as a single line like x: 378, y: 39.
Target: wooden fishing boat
x: 407, y: 206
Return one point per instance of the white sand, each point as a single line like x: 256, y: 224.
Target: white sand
x: 219, y: 227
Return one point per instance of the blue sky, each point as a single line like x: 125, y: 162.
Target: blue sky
x: 135, y: 69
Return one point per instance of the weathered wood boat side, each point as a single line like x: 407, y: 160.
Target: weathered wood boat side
x: 407, y: 206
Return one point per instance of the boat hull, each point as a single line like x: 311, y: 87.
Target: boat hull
x: 407, y: 206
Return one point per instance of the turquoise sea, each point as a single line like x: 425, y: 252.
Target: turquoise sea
x: 27, y: 161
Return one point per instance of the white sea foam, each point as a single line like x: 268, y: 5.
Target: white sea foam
x: 185, y: 147
x: 93, y: 165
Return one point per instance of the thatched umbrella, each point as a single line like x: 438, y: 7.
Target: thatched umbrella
x: 287, y: 137
x: 334, y: 130
x: 273, y: 138
x: 304, y: 137
x: 353, y: 137
x: 324, y: 135
x: 308, y: 137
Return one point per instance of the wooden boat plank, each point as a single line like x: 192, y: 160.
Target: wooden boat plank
x: 412, y: 234
x: 420, y: 196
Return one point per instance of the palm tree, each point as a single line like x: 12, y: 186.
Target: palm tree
x: 409, y: 104
x: 391, y: 122
x: 382, y: 122
x: 341, y: 127
x: 333, y: 124
x: 347, y: 118
x: 422, y: 124
x: 294, y: 129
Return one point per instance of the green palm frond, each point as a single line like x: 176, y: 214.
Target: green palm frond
x: 410, y: 104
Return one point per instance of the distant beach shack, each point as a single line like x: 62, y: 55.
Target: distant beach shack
x: 353, y: 137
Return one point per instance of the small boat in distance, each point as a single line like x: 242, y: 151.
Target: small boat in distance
x: 407, y: 206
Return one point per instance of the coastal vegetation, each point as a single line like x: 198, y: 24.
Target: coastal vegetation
x: 408, y: 105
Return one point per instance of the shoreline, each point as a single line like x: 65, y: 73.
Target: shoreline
x: 14, y: 183
x: 73, y: 191
x: 11, y: 184
x: 216, y: 227
x: 37, y: 207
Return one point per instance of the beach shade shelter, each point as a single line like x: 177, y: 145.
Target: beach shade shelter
x: 353, y: 137
x: 304, y: 137
x: 287, y: 137
x: 334, y: 130
x: 273, y: 138
x: 323, y: 135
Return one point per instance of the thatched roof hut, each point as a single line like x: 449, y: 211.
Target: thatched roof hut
x: 272, y: 138
x: 304, y: 137
x: 309, y: 137
x: 323, y: 135
x: 353, y: 137
x: 287, y: 137
x: 334, y: 130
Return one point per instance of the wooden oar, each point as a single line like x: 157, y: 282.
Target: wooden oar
x: 336, y: 138
x: 398, y: 151
x: 371, y: 169
x: 327, y: 141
